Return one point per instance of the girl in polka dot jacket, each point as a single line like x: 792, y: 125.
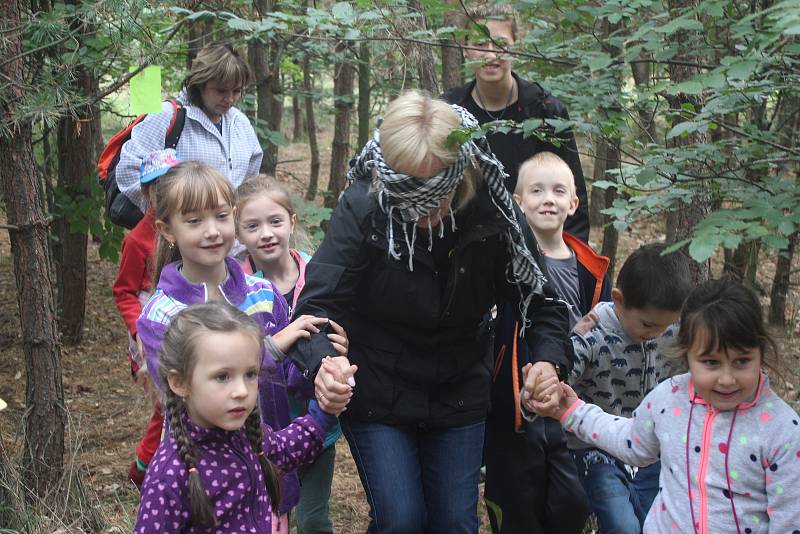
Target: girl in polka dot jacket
x: 217, y: 469
x: 729, y: 446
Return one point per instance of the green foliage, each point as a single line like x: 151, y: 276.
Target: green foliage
x: 86, y: 215
x: 310, y: 218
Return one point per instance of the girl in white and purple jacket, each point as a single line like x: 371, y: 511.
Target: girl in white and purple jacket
x: 729, y: 445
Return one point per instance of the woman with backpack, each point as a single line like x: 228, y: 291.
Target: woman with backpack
x: 210, y: 128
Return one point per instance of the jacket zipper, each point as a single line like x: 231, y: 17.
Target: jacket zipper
x: 705, y: 447
x: 253, y: 490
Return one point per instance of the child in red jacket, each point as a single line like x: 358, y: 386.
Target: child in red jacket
x: 131, y: 290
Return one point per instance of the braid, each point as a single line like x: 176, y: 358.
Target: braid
x: 253, y: 428
x: 202, y: 512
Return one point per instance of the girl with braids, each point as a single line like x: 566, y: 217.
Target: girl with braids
x: 217, y: 469
x: 422, y: 244
x: 194, y: 214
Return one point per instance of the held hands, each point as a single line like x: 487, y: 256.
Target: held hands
x: 546, y: 396
x: 334, y: 384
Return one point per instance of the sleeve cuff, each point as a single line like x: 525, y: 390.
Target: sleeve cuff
x: 277, y: 354
x: 325, y: 420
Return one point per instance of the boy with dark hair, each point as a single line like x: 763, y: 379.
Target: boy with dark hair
x: 497, y: 93
x: 532, y: 485
x: 616, y: 364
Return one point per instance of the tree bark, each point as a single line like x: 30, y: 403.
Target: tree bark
x: 682, y: 221
x: 343, y: 74
x: 311, y: 125
x: 452, y: 58
x: 364, y: 120
x: 426, y: 64
x: 76, y: 162
x: 297, y: 117
x: 42, y: 457
x: 780, y: 285
x: 266, y: 60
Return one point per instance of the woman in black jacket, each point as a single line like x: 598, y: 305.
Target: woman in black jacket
x: 422, y: 244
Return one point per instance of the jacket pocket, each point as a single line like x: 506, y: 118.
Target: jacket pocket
x: 376, y: 382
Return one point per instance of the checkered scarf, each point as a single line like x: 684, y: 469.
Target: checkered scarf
x: 407, y: 199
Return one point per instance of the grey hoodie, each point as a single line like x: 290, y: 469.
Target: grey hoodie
x: 613, y: 371
x: 742, y: 466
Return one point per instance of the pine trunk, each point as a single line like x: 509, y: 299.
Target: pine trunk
x: 452, y: 58
x: 685, y: 217
x: 343, y: 74
x: 311, y: 125
x: 426, y: 63
x: 364, y: 120
x: 43, y: 452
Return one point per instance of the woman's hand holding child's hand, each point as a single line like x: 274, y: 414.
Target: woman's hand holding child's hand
x: 333, y: 385
x: 302, y: 327
x: 539, y: 394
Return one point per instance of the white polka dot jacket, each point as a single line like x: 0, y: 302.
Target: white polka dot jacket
x: 722, y: 472
x: 231, y: 476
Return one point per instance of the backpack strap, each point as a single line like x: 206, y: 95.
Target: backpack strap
x: 175, y: 125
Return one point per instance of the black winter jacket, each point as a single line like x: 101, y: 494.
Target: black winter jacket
x: 535, y: 102
x: 422, y: 348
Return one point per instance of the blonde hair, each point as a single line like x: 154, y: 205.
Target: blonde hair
x: 216, y: 62
x: 177, y: 357
x: 415, y: 129
x: 538, y: 161
x: 263, y: 184
x: 188, y: 186
x: 499, y: 12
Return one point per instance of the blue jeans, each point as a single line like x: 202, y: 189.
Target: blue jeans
x: 418, y: 480
x: 619, y: 501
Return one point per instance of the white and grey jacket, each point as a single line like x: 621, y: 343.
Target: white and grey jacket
x: 613, y: 371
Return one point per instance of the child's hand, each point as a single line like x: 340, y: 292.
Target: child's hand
x: 538, y: 381
x: 302, y: 327
x: 333, y: 385
x: 567, y: 399
x: 339, y: 339
x: 586, y: 323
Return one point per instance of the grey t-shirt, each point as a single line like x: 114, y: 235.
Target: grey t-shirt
x: 564, y: 275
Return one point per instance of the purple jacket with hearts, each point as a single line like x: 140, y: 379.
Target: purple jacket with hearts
x: 231, y: 475
x: 259, y: 299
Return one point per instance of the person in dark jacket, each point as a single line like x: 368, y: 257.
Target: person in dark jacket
x: 422, y: 244
x: 532, y: 484
x: 497, y: 93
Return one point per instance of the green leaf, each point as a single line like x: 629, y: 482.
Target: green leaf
x: 683, y: 129
x: 342, y: 11
x: 702, y: 248
x: 742, y: 70
x: 600, y: 61
x: 690, y: 87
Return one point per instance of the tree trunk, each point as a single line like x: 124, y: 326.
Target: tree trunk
x: 297, y: 117
x: 43, y: 452
x: 311, y: 124
x: 610, y: 232
x: 597, y: 202
x: 780, y: 285
x: 364, y: 120
x: 343, y: 74
x: 426, y: 62
x: 76, y: 162
x: 266, y: 62
x: 452, y: 58
x: 685, y: 217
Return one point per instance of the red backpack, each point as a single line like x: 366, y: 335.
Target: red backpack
x: 119, y: 209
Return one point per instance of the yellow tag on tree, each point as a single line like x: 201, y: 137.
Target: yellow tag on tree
x: 146, y: 91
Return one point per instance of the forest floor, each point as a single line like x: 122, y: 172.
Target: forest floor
x: 108, y: 413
